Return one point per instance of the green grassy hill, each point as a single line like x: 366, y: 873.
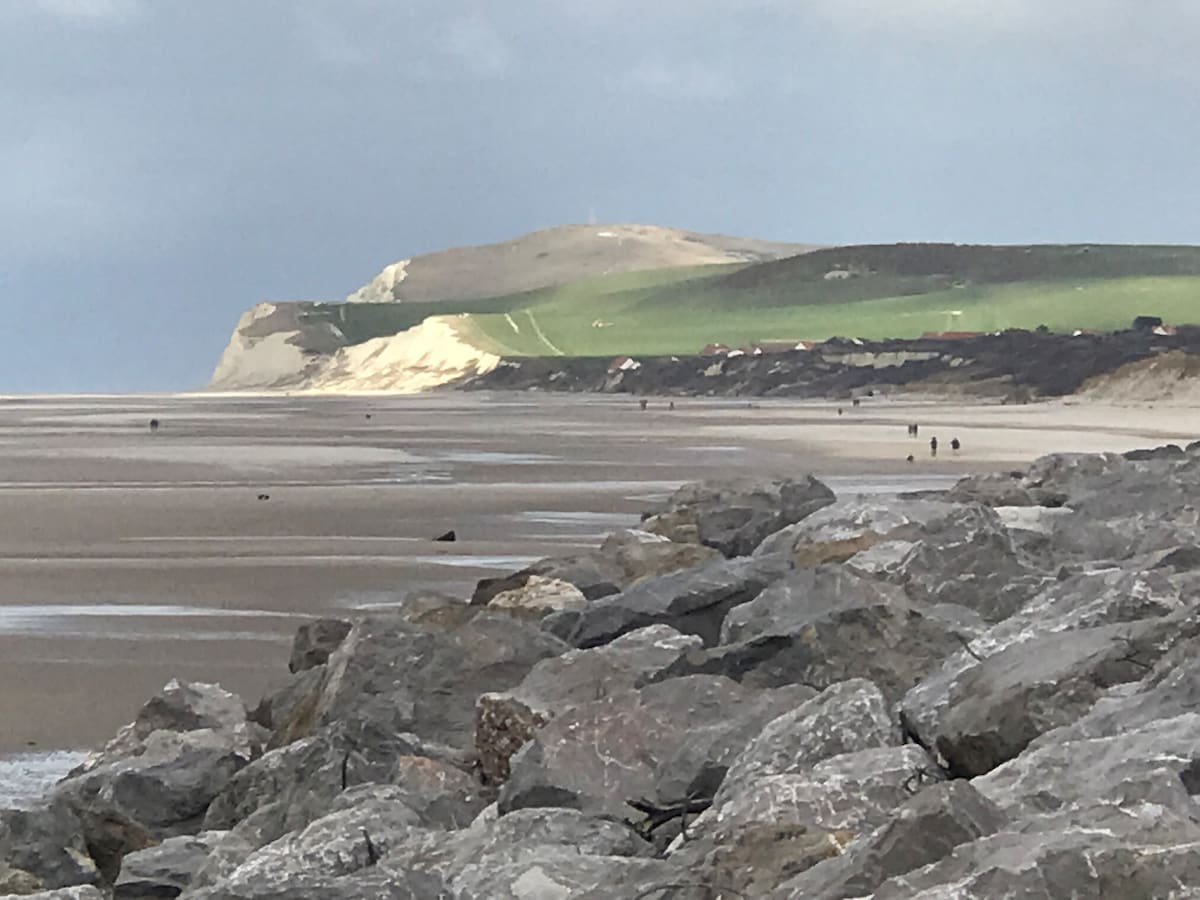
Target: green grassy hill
x: 869, y: 292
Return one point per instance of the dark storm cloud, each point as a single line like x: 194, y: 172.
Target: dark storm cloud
x: 164, y: 164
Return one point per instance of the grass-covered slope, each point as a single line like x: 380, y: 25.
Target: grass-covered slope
x: 869, y: 292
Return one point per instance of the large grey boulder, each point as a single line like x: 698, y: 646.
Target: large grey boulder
x: 594, y: 573
x: 676, y: 737
x: 998, y: 707
x: 850, y: 628
x: 802, y: 596
x: 751, y: 860
x: 1143, y: 765
x: 165, y: 870
x: 845, y: 718
x: 291, y: 786
x: 394, y: 676
x: 505, y: 721
x: 924, y: 830
x: 314, y: 641
x: 162, y: 770
x: 537, y: 598
x: 641, y: 555
x: 853, y: 524
x: 854, y: 792
x: 1087, y: 600
x: 969, y: 559
x: 694, y: 602
x: 735, y: 516
x: 530, y: 849
x: 168, y: 787
x: 1083, y: 863
x: 362, y: 826
x: 48, y: 843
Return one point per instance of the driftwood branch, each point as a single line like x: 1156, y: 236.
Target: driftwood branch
x: 658, y: 815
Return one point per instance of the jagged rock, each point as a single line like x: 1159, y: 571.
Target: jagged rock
x: 177, y: 708
x: 441, y: 794
x: 530, y: 842
x: 734, y: 517
x: 506, y: 721
x: 802, y: 596
x: 754, y: 859
x: 400, y: 677
x: 279, y: 706
x: 1075, y: 863
x: 693, y: 602
x: 643, y: 555
x: 167, y: 788
x: 356, y: 834
x: 314, y: 641
x: 594, y: 573
x: 924, y: 830
x: 999, y: 706
x: 853, y: 792
x: 1087, y: 600
x: 1000, y: 489
x: 849, y: 526
x: 1143, y: 765
x: 164, y: 871
x: 866, y: 631
x: 291, y: 786
x: 679, y: 735
x: 555, y: 872
x: 845, y: 718
x: 48, y: 843
x: 537, y: 598
x: 969, y: 559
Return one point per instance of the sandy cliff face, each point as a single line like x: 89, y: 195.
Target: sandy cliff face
x: 425, y: 356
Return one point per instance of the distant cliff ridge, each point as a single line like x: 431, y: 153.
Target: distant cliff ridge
x: 317, y: 346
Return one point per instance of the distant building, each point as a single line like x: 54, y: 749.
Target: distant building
x: 1165, y: 330
x: 714, y: 350
x: 623, y: 364
x: 782, y: 346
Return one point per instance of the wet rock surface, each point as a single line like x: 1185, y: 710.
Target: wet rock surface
x: 764, y: 692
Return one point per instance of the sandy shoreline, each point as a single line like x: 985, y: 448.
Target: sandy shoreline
x: 128, y: 558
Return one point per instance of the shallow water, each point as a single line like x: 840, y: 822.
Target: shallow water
x: 25, y: 777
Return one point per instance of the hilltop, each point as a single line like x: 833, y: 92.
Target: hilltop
x: 605, y: 291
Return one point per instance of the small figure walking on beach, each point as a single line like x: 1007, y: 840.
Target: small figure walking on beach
x: 913, y: 429
x: 955, y: 445
x: 933, y: 446
x: 642, y: 403
x: 154, y: 425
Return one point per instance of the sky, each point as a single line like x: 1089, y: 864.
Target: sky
x: 165, y: 164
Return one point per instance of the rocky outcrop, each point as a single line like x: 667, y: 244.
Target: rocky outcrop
x: 970, y: 706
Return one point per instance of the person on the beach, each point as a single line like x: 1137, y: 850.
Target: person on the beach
x: 955, y: 445
x: 933, y: 446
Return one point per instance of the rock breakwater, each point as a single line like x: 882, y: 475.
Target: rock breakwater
x: 766, y: 690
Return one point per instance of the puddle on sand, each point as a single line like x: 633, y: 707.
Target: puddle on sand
x: 66, y: 620
x: 25, y: 777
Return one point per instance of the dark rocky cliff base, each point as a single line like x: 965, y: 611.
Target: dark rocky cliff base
x: 1015, y: 365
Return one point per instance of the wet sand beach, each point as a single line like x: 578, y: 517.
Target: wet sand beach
x: 128, y: 558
